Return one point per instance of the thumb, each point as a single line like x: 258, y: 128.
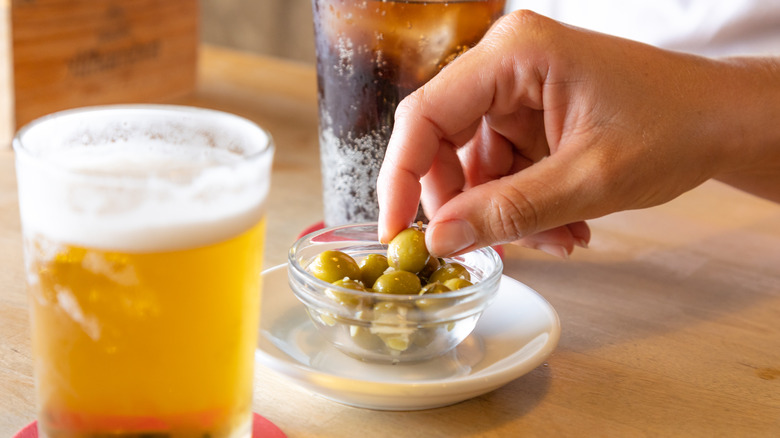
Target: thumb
x: 538, y: 198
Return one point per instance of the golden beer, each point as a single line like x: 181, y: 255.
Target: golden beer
x: 144, y: 325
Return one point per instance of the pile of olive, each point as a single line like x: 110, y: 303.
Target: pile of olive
x: 408, y: 269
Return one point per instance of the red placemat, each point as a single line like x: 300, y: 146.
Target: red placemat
x: 261, y: 428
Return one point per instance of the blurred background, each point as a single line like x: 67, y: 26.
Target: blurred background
x: 280, y: 28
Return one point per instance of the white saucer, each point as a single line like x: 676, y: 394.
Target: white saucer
x: 514, y: 336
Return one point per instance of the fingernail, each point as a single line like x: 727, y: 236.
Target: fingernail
x: 582, y: 243
x: 449, y: 237
x: 554, y: 250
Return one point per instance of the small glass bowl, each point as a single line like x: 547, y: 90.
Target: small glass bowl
x: 386, y: 328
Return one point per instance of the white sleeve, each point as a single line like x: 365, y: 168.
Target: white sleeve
x: 707, y: 27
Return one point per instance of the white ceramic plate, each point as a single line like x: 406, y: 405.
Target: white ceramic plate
x: 515, y: 335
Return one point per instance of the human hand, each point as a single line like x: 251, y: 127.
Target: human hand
x: 542, y: 126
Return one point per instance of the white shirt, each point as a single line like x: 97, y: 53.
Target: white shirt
x: 706, y: 27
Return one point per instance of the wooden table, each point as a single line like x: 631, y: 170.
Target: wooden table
x: 670, y: 321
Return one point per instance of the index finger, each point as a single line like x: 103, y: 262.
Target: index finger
x: 413, y: 146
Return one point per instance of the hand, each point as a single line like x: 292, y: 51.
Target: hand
x: 542, y: 126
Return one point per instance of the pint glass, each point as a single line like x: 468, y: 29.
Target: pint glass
x: 143, y: 235
x: 370, y: 55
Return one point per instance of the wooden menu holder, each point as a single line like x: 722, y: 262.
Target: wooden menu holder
x: 59, y: 54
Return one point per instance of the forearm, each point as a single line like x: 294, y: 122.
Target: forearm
x: 749, y: 129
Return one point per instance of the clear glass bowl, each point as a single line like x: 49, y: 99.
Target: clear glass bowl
x: 388, y: 328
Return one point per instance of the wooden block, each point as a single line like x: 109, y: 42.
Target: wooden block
x: 6, y: 91
x: 71, y: 53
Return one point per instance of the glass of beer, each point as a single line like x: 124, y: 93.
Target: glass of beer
x: 370, y: 55
x: 143, y: 236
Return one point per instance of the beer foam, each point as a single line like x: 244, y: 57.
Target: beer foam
x: 121, y: 182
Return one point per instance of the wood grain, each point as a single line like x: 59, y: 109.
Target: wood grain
x: 6, y: 90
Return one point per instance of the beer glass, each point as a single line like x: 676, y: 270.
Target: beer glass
x: 370, y: 55
x: 143, y: 235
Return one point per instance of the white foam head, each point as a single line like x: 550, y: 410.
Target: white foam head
x: 141, y: 178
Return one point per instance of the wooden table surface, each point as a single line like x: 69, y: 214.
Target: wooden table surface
x: 670, y: 320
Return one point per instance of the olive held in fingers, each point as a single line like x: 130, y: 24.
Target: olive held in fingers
x: 407, y: 251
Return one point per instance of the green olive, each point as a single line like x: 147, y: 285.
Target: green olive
x: 345, y: 298
x: 348, y: 283
x: 333, y: 265
x: 383, y: 308
x: 457, y: 283
x: 398, y: 283
x: 434, y: 288
x: 450, y: 270
x: 371, y: 268
x: 432, y: 303
x: 430, y: 267
x: 407, y: 251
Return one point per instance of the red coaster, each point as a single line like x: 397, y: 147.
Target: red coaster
x: 261, y: 428
x: 312, y: 228
x: 320, y: 225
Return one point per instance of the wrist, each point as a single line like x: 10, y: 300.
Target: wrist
x: 747, y: 130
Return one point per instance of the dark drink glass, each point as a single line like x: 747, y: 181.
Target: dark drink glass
x: 370, y: 55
